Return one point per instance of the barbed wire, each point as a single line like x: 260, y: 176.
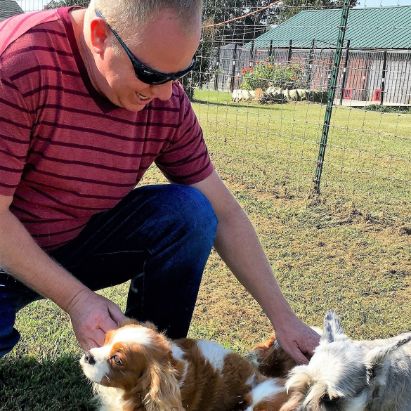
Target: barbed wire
x: 222, y: 23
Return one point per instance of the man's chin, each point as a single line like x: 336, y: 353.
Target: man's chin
x: 129, y: 104
x: 134, y: 107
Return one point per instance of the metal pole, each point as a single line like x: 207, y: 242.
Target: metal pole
x: 217, y: 68
x: 270, y: 51
x: 331, y: 94
x: 251, y: 54
x: 310, y: 64
x: 233, y: 68
x: 384, y: 73
x: 344, y: 79
x: 290, y: 51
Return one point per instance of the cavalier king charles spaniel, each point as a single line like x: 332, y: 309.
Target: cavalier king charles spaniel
x: 140, y: 369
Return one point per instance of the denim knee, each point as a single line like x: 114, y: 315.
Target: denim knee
x: 192, y: 209
x: 9, y: 336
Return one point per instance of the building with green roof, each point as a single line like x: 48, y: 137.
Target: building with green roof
x: 376, y: 63
x: 9, y: 8
x: 387, y: 28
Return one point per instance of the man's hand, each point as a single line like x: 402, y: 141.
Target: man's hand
x: 297, y: 339
x: 91, y: 317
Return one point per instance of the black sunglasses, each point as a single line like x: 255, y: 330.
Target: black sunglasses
x: 144, y: 73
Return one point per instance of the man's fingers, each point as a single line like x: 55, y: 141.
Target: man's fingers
x: 99, y: 337
x: 299, y: 357
x: 108, y: 324
x: 115, y: 313
x: 114, y: 318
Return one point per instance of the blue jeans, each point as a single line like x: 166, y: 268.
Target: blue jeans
x: 158, y: 236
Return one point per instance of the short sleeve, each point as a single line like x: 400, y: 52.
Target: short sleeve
x: 15, y: 130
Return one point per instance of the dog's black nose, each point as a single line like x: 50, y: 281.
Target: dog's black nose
x: 88, y: 358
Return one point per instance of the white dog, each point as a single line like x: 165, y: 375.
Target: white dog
x: 348, y: 375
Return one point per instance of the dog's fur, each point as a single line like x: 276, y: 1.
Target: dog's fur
x: 271, y: 359
x: 139, y: 369
x: 349, y: 375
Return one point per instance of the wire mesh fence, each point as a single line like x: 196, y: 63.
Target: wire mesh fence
x: 264, y: 97
x: 260, y: 91
x: 362, y: 82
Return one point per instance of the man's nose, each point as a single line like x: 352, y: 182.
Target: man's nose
x: 162, y: 91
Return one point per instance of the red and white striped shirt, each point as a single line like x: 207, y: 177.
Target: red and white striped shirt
x: 66, y: 152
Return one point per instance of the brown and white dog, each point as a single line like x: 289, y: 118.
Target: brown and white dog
x: 139, y: 369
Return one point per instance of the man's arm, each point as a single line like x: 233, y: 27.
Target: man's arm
x: 91, y: 315
x: 239, y: 247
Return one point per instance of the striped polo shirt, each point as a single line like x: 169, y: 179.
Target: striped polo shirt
x: 66, y: 152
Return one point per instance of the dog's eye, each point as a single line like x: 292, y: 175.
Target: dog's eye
x: 116, y: 360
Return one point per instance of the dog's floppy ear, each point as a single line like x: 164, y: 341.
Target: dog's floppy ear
x: 299, y: 379
x: 376, y: 357
x: 332, y: 328
x: 164, y: 392
x: 297, y: 386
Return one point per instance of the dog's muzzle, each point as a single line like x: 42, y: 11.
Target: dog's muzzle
x: 88, y: 358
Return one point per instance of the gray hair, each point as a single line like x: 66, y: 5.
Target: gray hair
x: 128, y: 16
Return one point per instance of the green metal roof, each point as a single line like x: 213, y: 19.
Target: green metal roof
x: 9, y: 8
x: 383, y: 28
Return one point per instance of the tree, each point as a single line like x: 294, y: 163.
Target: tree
x: 292, y: 7
x: 246, y: 20
x: 53, y: 4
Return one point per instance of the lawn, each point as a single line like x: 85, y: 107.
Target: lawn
x: 347, y: 250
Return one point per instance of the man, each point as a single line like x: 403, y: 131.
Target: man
x: 88, y: 101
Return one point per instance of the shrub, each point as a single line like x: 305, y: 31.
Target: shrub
x: 388, y: 109
x: 265, y: 74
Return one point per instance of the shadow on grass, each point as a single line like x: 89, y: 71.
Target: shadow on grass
x: 31, y: 385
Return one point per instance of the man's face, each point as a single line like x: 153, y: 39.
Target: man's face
x: 163, y: 46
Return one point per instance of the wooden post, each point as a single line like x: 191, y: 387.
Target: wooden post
x: 251, y: 54
x: 270, y: 51
x: 384, y: 73
x: 217, y: 68
x: 310, y: 64
x: 344, y: 79
x: 290, y: 51
x: 233, y: 68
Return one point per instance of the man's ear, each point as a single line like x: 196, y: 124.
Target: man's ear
x: 98, y: 35
x: 376, y: 357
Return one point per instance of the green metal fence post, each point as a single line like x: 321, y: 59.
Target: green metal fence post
x: 331, y: 94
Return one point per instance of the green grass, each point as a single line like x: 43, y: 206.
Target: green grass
x: 347, y: 250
